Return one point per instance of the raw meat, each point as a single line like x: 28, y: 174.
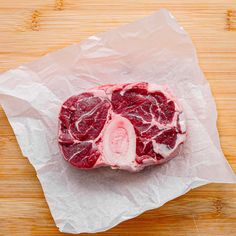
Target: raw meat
x: 127, y: 126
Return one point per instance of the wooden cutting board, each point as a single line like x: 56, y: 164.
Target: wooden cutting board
x: 31, y: 28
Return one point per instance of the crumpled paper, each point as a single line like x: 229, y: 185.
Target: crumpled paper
x: 154, y: 49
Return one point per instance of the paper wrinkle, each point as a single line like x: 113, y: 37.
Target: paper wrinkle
x: 154, y: 49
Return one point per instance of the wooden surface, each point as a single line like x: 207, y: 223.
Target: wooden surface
x: 32, y: 28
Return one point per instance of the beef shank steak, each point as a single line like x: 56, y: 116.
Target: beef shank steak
x: 127, y: 126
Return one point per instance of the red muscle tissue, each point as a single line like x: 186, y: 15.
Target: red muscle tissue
x: 127, y: 126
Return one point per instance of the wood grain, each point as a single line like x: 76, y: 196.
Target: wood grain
x: 32, y: 28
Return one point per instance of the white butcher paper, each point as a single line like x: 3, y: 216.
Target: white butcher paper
x: 154, y: 49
